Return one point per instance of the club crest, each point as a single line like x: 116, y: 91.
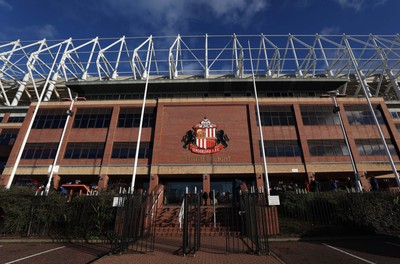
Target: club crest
x: 204, y: 138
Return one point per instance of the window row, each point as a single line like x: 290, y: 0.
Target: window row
x: 270, y: 116
x: 273, y: 148
x: 318, y: 115
x: 282, y: 148
x: 93, y: 118
x: 95, y: 150
x: 369, y: 147
x: 8, y: 136
x: 395, y: 112
x: 127, y: 150
x: 202, y: 94
x: 326, y: 147
x: 50, y: 118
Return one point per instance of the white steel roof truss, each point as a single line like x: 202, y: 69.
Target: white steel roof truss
x: 173, y: 58
x: 52, y: 85
x: 279, y: 56
x: 328, y: 67
x: 237, y: 59
x: 298, y: 69
x: 220, y: 53
x: 22, y: 87
x: 34, y: 58
x: 108, y: 69
x: 190, y: 51
x: 77, y: 63
x: 262, y: 49
x: 4, y: 96
x: 11, y: 69
x: 282, y: 70
x: 274, y: 64
x: 339, y: 62
x: 392, y: 61
x: 139, y: 69
x: 309, y: 60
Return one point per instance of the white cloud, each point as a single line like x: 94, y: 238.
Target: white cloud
x: 4, y: 4
x: 358, y: 5
x: 45, y: 31
x: 354, y: 4
x: 38, y: 32
x: 235, y: 8
x: 171, y: 16
x: 33, y: 31
x: 330, y: 31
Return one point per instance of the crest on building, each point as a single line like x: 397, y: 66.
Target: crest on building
x: 204, y: 138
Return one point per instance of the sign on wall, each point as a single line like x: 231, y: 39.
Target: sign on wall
x: 204, y: 138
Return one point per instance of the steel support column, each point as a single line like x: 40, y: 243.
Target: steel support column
x: 367, y: 95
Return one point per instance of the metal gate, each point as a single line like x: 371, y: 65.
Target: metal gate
x: 134, y: 229
x: 238, y: 227
x: 191, y: 223
x: 252, y: 213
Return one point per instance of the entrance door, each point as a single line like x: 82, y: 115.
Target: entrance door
x: 175, y: 190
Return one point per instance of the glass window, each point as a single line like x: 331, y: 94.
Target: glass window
x: 40, y: 151
x: 92, y: 118
x: 282, y: 148
x: 16, y: 119
x: 50, y: 118
x: 130, y: 117
x: 394, y: 112
x: 318, y: 115
x: 361, y: 115
x: 80, y: 150
x: 125, y: 150
x: 398, y: 128
x: 277, y: 116
x: 369, y: 147
x: 328, y: 147
x: 8, y: 136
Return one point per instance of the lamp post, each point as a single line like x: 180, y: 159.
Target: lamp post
x: 69, y: 114
x: 336, y: 109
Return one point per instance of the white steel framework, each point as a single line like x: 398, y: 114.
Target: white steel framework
x: 26, y: 67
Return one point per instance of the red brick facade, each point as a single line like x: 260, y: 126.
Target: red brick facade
x: 240, y: 159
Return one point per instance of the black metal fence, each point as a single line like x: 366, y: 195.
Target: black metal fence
x: 237, y: 227
x: 135, y: 223
x: 191, y: 215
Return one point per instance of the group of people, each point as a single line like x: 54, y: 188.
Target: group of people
x: 333, y: 185
x: 314, y: 185
x: 214, y: 200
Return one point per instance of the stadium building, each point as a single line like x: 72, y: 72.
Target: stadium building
x: 201, y: 111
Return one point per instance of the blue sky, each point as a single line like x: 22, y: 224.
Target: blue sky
x: 60, y: 19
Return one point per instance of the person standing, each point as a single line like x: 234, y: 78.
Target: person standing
x: 205, y: 197
x: 374, y: 184
x: 314, y: 185
x: 349, y: 185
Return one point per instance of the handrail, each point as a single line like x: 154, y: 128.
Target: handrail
x: 155, y: 202
x: 181, y: 214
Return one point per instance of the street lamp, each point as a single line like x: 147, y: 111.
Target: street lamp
x: 336, y: 109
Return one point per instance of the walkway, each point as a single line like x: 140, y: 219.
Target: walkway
x: 166, y: 251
